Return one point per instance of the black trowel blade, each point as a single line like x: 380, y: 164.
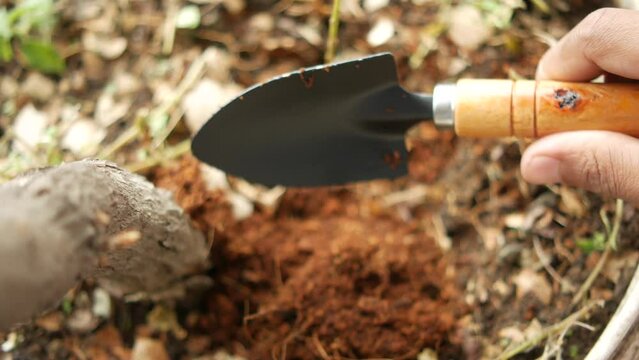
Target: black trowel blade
x: 325, y: 125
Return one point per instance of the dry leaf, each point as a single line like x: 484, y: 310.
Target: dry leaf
x: 8, y: 87
x: 234, y: 6
x: 108, y: 111
x: 310, y: 34
x: 515, y: 221
x: 492, y: 237
x: 615, y: 265
x: 108, y: 47
x: 262, y: 22
x: 82, y: 10
x: 51, y: 322
x: 222, y: 355
x: 528, y: 281
x: 427, y: 354
x: 149, y: 349
x: 126, y: 83
x: 571, y: 202
x: 534, y: 329
x: 38, y: 87
x: 512, y: 333
x: 82, y: 321
x: 267, y: 197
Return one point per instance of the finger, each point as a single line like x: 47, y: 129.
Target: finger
x: 603, y: 162
x: 607, y: 40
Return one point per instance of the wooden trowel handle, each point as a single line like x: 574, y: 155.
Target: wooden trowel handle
x: 498, y: 108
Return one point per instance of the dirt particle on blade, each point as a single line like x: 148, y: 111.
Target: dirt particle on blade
x: 308, y: 81
x: 319, y: 276
x: 393, y: 159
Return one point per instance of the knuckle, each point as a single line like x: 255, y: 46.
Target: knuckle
x: 615, y: 183
x: 598, y: 18
x: 594, y: 29
x: 602, y: 173
x: 592, y: 172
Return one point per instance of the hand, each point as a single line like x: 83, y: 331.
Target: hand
x: 605, y: 42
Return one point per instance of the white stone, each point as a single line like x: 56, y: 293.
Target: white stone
x: 467, y: 28
x: 381, y: 32
x: 83, y: 137
x: 10, y: 343
x: 101, y: 303
x: 206, y: 98
x: 242, y: 207
x: 374, y: 5
x: 29, y: 127
x: 188, y: 17
x: 214, y: 178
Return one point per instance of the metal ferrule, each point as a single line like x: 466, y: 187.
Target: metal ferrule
x: 444, y: 97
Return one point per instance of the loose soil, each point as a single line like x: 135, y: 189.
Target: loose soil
x: 324, y: 276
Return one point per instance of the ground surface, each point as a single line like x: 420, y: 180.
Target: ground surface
x: 462, y: 259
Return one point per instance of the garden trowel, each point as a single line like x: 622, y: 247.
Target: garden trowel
x: 345, y: 122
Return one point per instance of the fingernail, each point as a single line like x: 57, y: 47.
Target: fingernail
x: 542, y: 170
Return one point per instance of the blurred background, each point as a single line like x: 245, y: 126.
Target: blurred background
x: 74, y: 73
x: 460, y: 260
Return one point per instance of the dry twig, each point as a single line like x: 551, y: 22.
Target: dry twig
x: 611, y: 244
x: 333, y: 30
x: 167, y: 154
x: 168, y: 30
x: 194, y: 73
x: 545, y: 261
x: 552, y: 330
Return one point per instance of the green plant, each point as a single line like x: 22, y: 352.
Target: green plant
x: 498, y: 14
x: 28, y: 27
x: 597, y: 242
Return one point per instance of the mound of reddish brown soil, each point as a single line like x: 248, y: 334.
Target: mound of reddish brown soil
x: 323, y: 277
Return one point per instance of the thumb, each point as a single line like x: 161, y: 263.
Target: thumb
x: 603, y: 162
